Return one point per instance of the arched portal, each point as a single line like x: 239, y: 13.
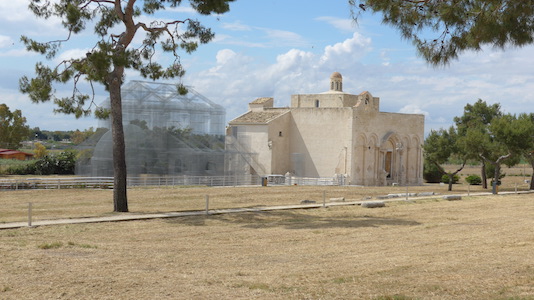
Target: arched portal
x: 390, y: 160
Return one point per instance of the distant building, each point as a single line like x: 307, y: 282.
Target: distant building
x: 325, y: 135
x: 14, y: 154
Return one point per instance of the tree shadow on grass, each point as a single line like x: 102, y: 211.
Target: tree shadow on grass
x: 291, y: 219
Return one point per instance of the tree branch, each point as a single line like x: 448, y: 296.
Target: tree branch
x: 498, y: 161
x: 162, y: 28
x: 118, y: 9
x: 98, y: 1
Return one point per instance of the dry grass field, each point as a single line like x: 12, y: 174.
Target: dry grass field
x: 74, y: 203
x: 477, y: 248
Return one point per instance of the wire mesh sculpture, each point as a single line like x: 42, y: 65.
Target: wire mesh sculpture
x: 165, y: 134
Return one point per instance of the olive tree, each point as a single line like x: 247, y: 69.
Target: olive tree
x: 442, y: 145
x: 473, y: 130
x: 116, y: 23
x: 510, y: 137
x: 526, y: 123
x: 500, y: 142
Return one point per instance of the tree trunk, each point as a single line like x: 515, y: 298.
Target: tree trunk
x: 497, y: 173
x: 483, y: 175
x: 120, y: 200
x: 496, y: 179
x: 451, y: 175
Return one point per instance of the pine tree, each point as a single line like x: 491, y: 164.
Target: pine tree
x: 441, y: 30
x: 116, y: 24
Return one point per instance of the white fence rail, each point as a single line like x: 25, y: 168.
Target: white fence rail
x: 56, y: 183
x: 155, y: 181
x: 195, y: 180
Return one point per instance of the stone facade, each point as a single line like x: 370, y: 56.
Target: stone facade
x: 325, y: 135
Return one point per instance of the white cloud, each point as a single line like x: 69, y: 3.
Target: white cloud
x: 259, y: 37
x: 15, y: 11
x: 341, y: 24
x: 347, y: 52
x: 5, y: 41
x: 236, y: 26
x: 229, y: 40
x: 283, y: 37
x: 413, y: 109
x: 17, y: 17
x: 17, y: 53
x: 42, y: 114
x: 72, y: 54
x: 225, y: 56
x: 182, y: 9
x: 237, y: 79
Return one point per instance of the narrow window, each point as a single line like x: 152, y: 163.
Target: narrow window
x: 316, y: 103
x: 234, y: 131
x: 279, y: 133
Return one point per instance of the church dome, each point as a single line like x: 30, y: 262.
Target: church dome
x: 336, y: 75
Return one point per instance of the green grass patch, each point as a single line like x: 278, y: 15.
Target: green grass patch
x: 54, y: 245
x: 341, y: 280
x: 85, y: 246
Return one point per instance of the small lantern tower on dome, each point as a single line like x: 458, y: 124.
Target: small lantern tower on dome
x: 336, y: 82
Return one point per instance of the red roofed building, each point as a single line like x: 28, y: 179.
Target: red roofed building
x: 14, y: 154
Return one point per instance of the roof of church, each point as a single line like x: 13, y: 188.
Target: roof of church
x: 261, y: 100
x: 259, y: 117
x: 335, y: 92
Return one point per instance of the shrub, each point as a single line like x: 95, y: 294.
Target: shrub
x: 445, y: 178
x: 431, y: 173
x: 62, y: 163
x: 65, y: 162
x: 40, y: 150
x: 473, y: 179
x: 13, y: 164
x: 490, y: 171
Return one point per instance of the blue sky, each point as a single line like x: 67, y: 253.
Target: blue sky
x: 275, y: 48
